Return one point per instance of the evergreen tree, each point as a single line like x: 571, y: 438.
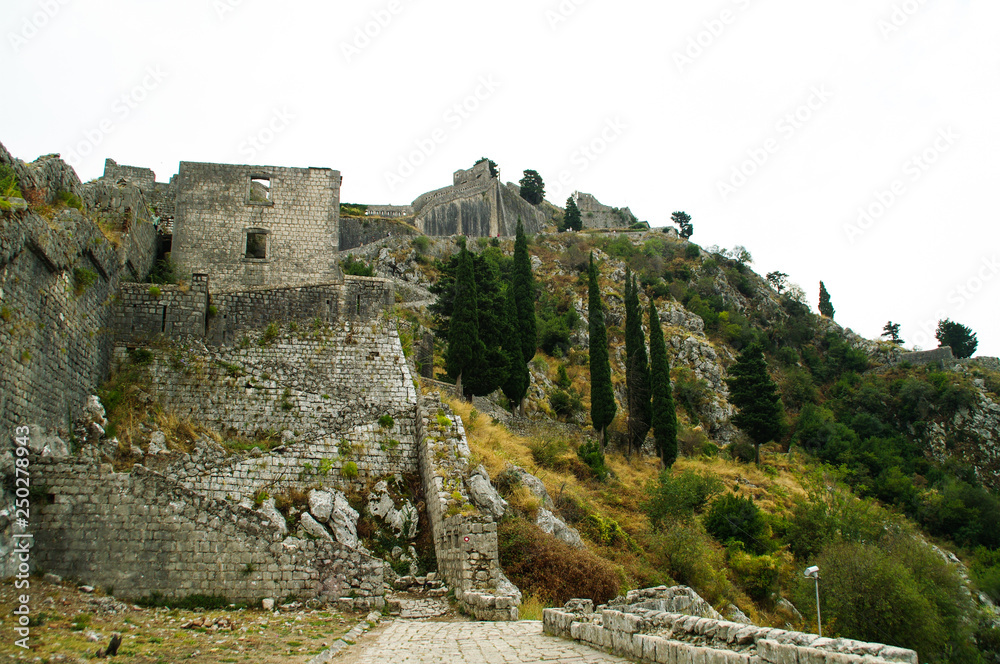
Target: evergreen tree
x: 825, y: 307
x: 572, y: 221
x: 517, y: 379
x: 532, y: 187
x: 523, y: 280
x: 664, y: 414
x: 962, y: 339
x: 683, y: 221
x: 636, y: 366
x: 756, y: 396
x: 464, y: 346
x: 602, y: 395
x: 491, y: 369
x: 891, y: 330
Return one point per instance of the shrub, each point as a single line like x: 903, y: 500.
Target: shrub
x: 677, y: 496
x: 421, y: 243
x: 349, y: 470
x: 590, y: 454
x: 547, y: 452
x: 692, y: 251
x: 756, y: 575
x: 734, y: 518
x: 547, y: 567
x: 357, y: 268
x: 690, y: 392
x: 608, y: 532
x: 869, y: 596
x: 154, y: 291
x: 271, y: 332
x: 9, y: 187
x: 83, y: 278
x: 565, y: 403
x: 70, y: 200
x: 164, y: 272
x: 386, y: 421
x: 692, y: 559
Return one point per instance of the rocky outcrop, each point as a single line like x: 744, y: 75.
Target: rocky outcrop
x: 484, y: 495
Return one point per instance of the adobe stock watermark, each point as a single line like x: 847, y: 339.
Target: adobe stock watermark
x: 453, y: 119
x: 121, y: 109
x: 364, y: 35
x: 584, y: 156
x: 900, y: 15
x: 223, y: 8
x: 34, y: 23
x: 784, y: 130
x: 912, y: 170
x: 280, y: 120
x: 711, y: 31
x: 562, y: 12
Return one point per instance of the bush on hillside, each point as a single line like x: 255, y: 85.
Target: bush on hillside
x: 544, y: 566
x: 736, y: 519
x: 677, y: 496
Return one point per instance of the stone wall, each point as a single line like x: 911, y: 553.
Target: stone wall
x: 481, y: 208
x: 143, y: 178
x: 465, y: 540
x: 356, y: 232
x: 58, y: 278
x: 657, y: 636
x: 942, y: 355
x: 140, y: 533
x: 317, y: 381
x: 389, y: 211
x: 595, y: 214
x: 297, y: 217
x: 144, y: 311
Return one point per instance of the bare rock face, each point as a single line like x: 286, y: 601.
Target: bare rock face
x: 157, y: 443
x: 274, y: 516
x: 534, y: 485
x: 311, y: 526
x: 401, y: 519
x: 484, y: 496
x: 320, y: 505
x: 555, y: 526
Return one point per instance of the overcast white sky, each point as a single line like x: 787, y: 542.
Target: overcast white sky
x: 771, y: 122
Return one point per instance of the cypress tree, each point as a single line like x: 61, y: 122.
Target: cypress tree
x: 464, y: 346
x: 664, y: 415
x: 825, y: 307
x: 636, y: 366
x: 602, y: 396
x: 572, y: 221
x: 491, y: 366
x: 756, y: 396
x: 524, y: 295
x: 515, y: 384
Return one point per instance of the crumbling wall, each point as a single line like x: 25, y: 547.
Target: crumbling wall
x: 140, y: 533
x: 317, y: 381
x: 650, y: 635
x: 356, y: 232
x: 58, y: 278
x: 217, y: 207
x: 595, y: 214
x: 465, y: 540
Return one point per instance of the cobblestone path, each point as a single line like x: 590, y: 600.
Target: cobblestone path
x: 426, y: 642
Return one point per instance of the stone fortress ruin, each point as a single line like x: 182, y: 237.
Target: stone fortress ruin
x: 264, y: 331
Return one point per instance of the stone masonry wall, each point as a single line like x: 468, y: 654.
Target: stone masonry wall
x: 215, y: 211
x: 658, y: 636
x: 145, y: 311
x: 465, y: 540
x: 140, y: 533
x: 356, y: 232
x: 58, y: 277
x: 318, y: 381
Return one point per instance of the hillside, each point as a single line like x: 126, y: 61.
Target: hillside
x: 885, y: 473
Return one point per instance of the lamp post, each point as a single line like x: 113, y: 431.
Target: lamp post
x: 813, y: 573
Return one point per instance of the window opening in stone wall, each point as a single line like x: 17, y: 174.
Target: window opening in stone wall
x: 260, y: 189
x: 256, y: 245
x: 357, y: 307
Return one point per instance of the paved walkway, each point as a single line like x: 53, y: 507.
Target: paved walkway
x: 422, y: 642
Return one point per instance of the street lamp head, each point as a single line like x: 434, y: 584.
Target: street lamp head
x: 812, y: 572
